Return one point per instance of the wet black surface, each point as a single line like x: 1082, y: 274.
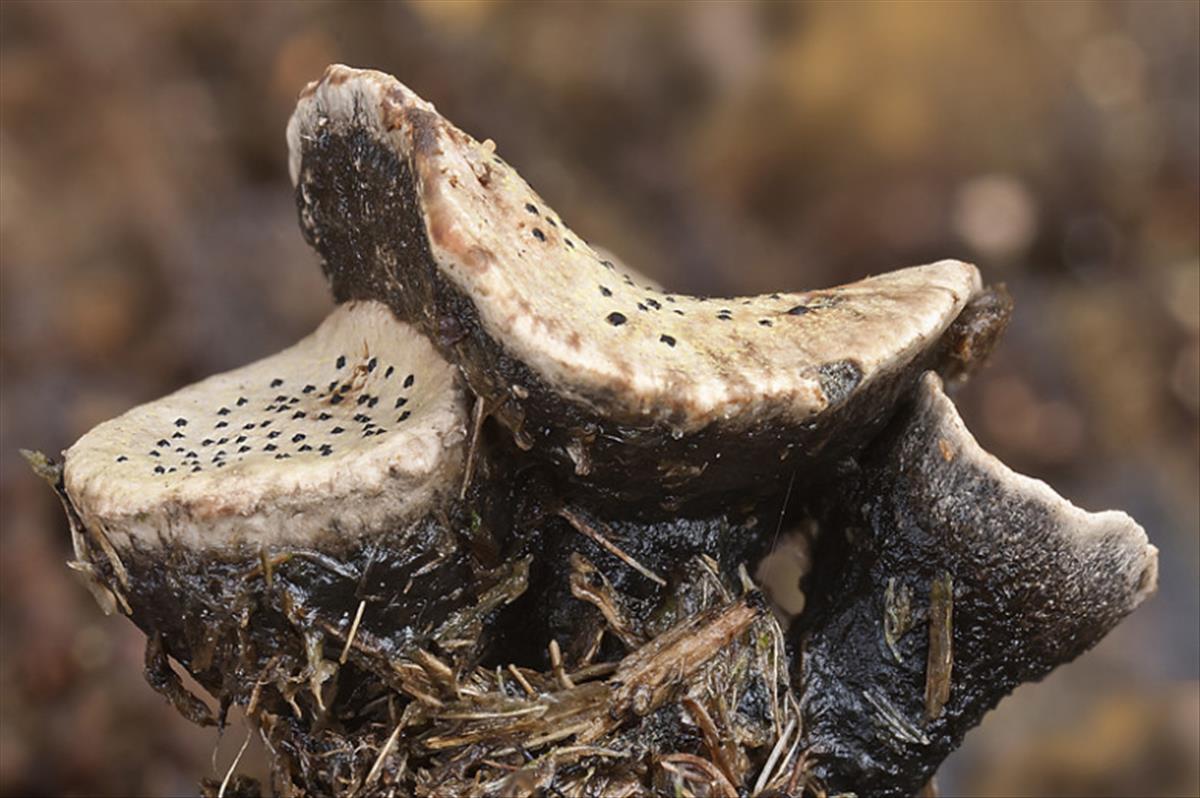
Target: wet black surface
x: 1028, y: 595
x: 218, y: 615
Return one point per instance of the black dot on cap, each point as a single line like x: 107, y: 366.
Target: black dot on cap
x: 538, y: 234
x: 799, y: 310
x: 616, y: 319
x: 666, y: 339
x: 181, y: 422
x: 341, y: 361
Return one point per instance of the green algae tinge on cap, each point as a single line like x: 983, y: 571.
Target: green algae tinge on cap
x: 634, y: 393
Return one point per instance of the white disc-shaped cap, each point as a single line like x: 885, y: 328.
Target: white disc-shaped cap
x: 592, y: 332
x: 358, y: 425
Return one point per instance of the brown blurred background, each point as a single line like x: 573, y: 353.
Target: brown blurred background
x: 148, y: 238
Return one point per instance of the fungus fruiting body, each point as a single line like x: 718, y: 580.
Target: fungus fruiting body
x: 301, y: 490
x: 637, y: 394
x: 490, y: 529
x: 278, y: 450
x: 998, y: 575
